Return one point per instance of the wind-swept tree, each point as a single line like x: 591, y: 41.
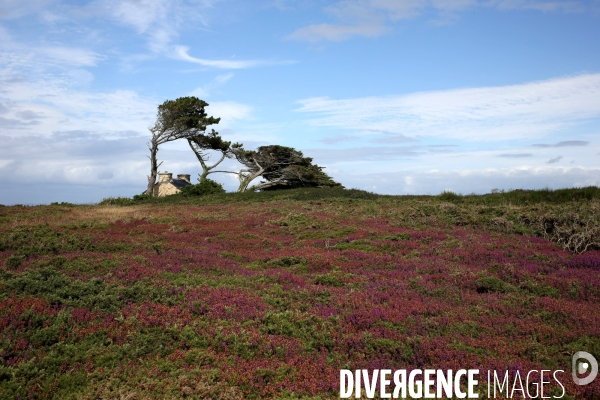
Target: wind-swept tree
x: 176, y: 119
x: 296, y: 176
x: 254, y: 162
x: 281, y: 167
x: 201, y: 143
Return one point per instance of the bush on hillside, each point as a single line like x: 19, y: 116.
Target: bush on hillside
x: 206, y: 187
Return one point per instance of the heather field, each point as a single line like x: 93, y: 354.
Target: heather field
x: 269, y: 295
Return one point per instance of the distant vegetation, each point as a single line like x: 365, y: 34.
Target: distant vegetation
x: 266, y: 295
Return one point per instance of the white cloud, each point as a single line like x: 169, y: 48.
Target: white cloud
x: 67, y: 109
x: 525, y: 111
x: 229, y: 111
x: 17, y: 56
x: 181, y: 52
x: 51, y: 81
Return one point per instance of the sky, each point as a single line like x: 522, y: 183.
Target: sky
x: 390, y: 96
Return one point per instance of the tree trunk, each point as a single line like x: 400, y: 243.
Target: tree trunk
x: 246, y: 179
x: 205, y: 168
x: 153, y: 168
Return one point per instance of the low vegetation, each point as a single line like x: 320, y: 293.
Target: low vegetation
x: 268, y: 294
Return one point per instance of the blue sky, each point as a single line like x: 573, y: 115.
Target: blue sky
x: 391, y: 96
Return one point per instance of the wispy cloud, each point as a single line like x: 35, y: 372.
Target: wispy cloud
x: 380, y: 153
x: 392, y: 138
x: 205, y: 90
x: 69, y: 55
x: 158, y: 20
x: 339, y: 139
x: 554, y: 160
x: 539, y: 5
x: 565, y: 143
x: 16, y: 55
x: 336, y: 33
x: 523, y: 111
x: 361, y: 154
x: 182, y: 53
x: 373, y: 17
x: 516, y: 155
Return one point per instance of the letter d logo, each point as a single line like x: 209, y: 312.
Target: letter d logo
x: 583, y: 367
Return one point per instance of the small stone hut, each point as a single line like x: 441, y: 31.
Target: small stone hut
x: 167, y: 185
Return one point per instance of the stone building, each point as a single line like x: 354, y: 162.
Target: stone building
x: 167, y: 185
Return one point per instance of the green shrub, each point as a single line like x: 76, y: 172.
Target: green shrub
x: 116, y: 201
x: 286, y: 262
x: 141, y: 197
x: 447, y: 195
x: 14, y: 261
x: 43, y: 239
x: 203, y: 188
x: 328, y: 280
x: 491, y: 284
x: 58, y: 289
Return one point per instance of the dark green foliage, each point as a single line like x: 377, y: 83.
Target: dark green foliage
x: 281, y: 167
x: 286, y: 262
x: 300, y: 194
x: 210, y: 141
x: 205, y: 187
x: 62, y: 204
x: 141, y: 197
x: 41, y: 239
x: 119, y: 201
x: 449, y: 196
x: 328, y: 280
x: 183, y: 117
x: 296, y: 176
x: 540, y: 290
x: 491, y: 284
x: 290, y: 169
x: 310, y: 328
x: 14, y: 261
x: 526, y: 197
x: 58, y: 289
x: 519, y: 196
x: 397, y: 238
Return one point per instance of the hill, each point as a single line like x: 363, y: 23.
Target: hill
x: 269, y: 295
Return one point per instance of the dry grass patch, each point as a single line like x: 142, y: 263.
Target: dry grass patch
x: 114, y: 213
